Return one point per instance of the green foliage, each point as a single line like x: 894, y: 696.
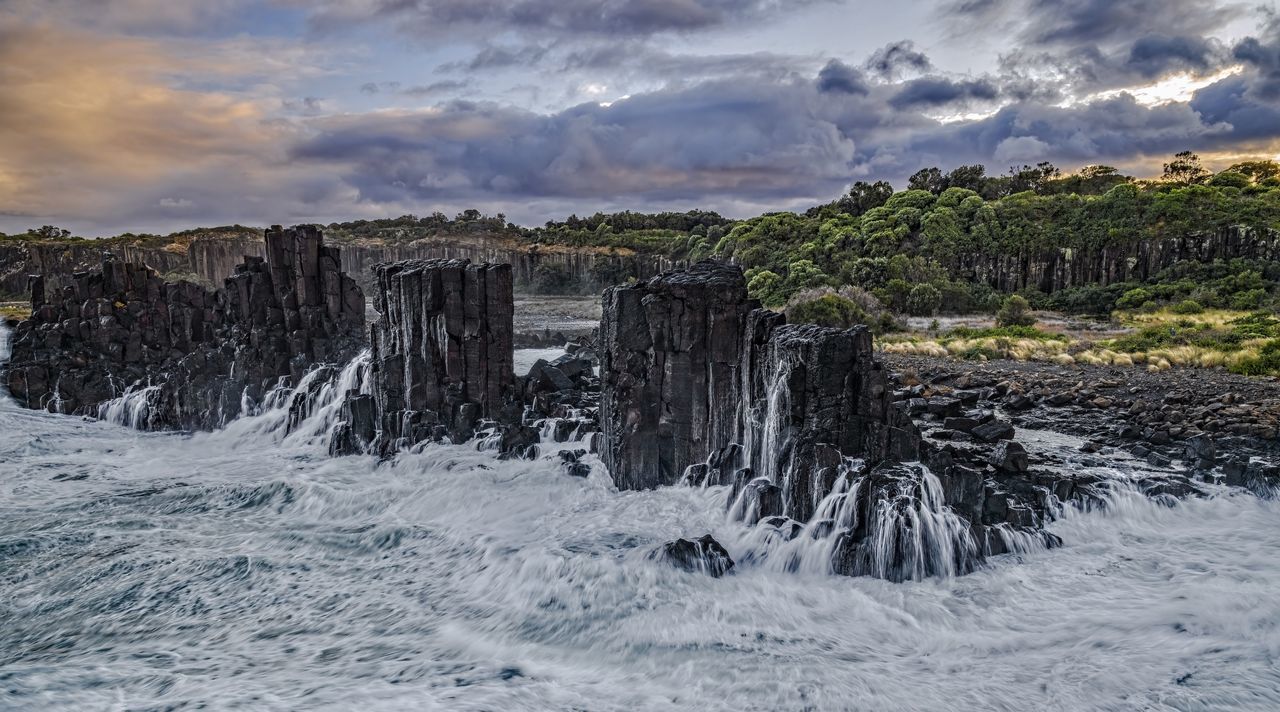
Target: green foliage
x: 828, y: 310
x: 1015, y: 312
x: 767, y: 287
x: 1266, y: 363
x: 1134, y: 299
x: 924, y: 300
x: 1187, y: 306
x: 1006, y: 332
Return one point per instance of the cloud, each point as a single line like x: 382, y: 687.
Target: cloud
x: 838, y: 77
x: 896, y: 58
x: 445, y: 86
x: 571, y: 18
x: 930, y: 92
x: 1073, y: 23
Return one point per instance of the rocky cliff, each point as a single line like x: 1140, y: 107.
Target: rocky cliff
x: 441, y: 355
x: 188, y: 357
x: 1051, y: 270
x: 700, y: 386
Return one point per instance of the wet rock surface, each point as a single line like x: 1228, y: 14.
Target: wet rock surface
x: 441, y: 354
x: 669, y: 365
x: 805, y: 425
x: 96, y: 334
x: 704, y: 555
x: 1204, y: 424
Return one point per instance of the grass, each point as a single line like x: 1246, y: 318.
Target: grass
x: 1240, y: 342
x: 14, y: 310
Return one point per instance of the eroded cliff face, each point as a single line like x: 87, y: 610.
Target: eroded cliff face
x: 1056, y: 269
x: 441, y: 355
x: 701, y: 387
x: 190, y: 357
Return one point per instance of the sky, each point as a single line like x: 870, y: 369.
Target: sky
x: 156, y: 115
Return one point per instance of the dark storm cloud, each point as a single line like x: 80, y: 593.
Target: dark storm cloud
x: 1262, y: 56
x: 754, y: 141
x: 940, y: 91
x: 895, y: 58
x: 620, y: 18
x: 1104, y: 22
x: 721, y: 139
x: 838, y: 77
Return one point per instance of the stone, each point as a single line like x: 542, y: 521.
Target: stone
x: 704, y: 555
x: 120, y: 325
x: 994, y: 430
x: 1010, y: 456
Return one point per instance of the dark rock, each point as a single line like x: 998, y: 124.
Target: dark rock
x: 704, y: 555
x: 122, y: 326
x: 993, y: 431
x: 442, y: 345
x: 1010, y: 457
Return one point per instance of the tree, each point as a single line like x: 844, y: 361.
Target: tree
x: 1185, y: 168
x: 929, y: 179
x: 972, y: 177
x: 1015, y: 312
x: 864, y: 196
x: 1032, y: 178
x: 924, y: 300
x: 1257, y: 171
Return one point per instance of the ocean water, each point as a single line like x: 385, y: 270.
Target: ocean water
x: 244, y: 570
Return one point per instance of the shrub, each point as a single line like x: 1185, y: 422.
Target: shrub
x: 924, y: 300
x: 827, y: 310
x: 1187, y: 306
x: 1251, y: 299
x: 1265, y: 363
x: 551, y: 278
x: 1015, y: 312
x: 1133, y: 299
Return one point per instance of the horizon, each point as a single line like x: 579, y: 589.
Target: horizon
x: 151, y: 117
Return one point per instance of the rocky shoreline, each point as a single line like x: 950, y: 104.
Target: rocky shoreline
x: 892, y: 466
x: 1201, y: 417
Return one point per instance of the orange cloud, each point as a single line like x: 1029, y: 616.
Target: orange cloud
x: 88, y: 117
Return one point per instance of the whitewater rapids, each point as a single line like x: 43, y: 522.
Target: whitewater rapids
x: 242, y: 570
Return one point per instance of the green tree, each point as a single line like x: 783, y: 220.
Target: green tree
x: 1185, y: 168
x: 924, y: 300
x: 1015, y: 312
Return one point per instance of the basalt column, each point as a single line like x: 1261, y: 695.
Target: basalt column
x: 812, y: 397
x: 94, y: 334
x: 669, y: 371
x: 442, y: 350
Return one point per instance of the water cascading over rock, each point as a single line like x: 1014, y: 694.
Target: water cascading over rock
x: 441, y: 355
x: 701, y: 386
x: 670, y: 362
x: 179, y: 355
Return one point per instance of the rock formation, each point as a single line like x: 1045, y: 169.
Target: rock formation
x: 96, y: 334
x: 670, y: 351
x: 441, y: 354
x: 700, y: 385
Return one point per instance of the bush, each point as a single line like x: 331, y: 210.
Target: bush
x: 1015, y: 312
x: 924, y: 300
x: 1266, y: 363
x: 551, y: 278
x: 1187, y: 306
x: 1133, y: 299
x: 1251, y: 299
x: 827, y: 310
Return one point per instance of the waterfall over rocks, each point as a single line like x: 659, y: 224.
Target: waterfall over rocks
x: 701, y: 386
x: 178, y: 355
x: 441, y: 355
